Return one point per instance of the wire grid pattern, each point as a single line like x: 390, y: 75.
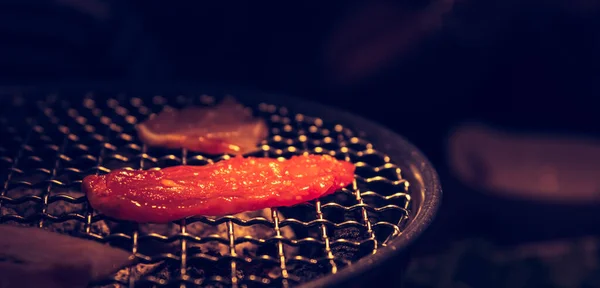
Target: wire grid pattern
x: 44, y: 159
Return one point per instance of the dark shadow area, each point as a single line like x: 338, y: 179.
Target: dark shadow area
x: 419, y: 68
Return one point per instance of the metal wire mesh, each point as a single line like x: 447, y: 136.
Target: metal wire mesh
x: 43, y: 159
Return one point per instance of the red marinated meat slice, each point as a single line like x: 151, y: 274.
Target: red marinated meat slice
x: 223, y: 188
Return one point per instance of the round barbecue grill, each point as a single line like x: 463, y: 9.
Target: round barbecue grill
x: 50, y: 141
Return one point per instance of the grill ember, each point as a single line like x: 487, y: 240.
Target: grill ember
x: 43, y: 159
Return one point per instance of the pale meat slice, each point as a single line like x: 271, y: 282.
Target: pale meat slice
x: 227, y: 128
x: 33, y: 257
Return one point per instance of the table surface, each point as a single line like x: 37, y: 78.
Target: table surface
x: 477, y: 262
x: 479, y: 241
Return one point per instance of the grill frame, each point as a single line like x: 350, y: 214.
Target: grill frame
x: 426, y: 190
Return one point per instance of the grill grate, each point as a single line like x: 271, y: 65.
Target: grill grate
x: 43, y: 160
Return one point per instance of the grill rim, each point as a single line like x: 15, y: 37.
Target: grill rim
x: 416, y: 167
x: 420, y: 172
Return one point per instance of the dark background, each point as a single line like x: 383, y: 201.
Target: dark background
x: 525, y: 65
